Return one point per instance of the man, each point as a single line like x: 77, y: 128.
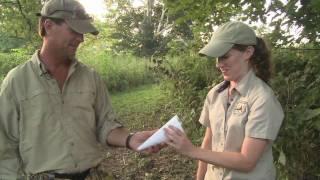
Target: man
x: 55, y: 114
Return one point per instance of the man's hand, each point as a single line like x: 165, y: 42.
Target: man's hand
x: 139, y: 137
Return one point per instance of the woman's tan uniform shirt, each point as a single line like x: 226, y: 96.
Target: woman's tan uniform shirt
x: 44, y: 129
x: 254, y: 112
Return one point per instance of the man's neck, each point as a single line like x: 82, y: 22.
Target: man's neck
x: 53, y: 60
x: 57, y: 66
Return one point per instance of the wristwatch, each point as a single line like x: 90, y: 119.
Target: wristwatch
x: 128, y: 140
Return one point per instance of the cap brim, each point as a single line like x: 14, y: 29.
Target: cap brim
x: 216, y: 49
x: 82, y: 26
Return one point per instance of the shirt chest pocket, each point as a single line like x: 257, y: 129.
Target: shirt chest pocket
x: 36, y: 115
x: 239, y: 115
x: 83, y: 99
x: 36, y: 107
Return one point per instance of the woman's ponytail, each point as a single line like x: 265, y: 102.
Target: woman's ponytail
x: 261, y: 60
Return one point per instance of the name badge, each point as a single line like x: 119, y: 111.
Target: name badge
x: 240, y: 107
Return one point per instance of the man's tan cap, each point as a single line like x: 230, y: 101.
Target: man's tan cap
x: 72, y: 12
x: 226, y: 36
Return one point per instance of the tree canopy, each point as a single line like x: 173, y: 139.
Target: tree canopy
x: 18, y: 23
x: 147, y: 30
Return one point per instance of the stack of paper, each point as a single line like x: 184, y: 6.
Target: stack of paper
x: 159, y: 136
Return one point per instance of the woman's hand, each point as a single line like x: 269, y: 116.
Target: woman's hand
x: 179, y: 141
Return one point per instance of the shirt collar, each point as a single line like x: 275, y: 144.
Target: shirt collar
x: 245, y: 83
x: 38, y: 64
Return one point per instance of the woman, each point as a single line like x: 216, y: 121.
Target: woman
x: 242, y: 115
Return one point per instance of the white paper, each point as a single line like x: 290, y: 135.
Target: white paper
x: 159, y: 136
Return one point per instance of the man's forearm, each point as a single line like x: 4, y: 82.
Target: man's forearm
x: 117, y: 137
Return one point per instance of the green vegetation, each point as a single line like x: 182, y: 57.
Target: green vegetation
x: 138, y: 107
x: 138, y: 48
x: 120, y: 72
x: 11, y: 60
x: 146, y: 107
x: 297, y: 82
x: 188, y: 78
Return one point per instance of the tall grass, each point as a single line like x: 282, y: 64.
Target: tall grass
x: 120, y: 72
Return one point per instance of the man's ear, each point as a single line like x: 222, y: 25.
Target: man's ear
x: 47, y: 24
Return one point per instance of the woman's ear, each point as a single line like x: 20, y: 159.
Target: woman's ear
x: 249, y: 52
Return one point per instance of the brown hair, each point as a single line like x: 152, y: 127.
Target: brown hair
x: 260, y: 61
x: 41, y: 29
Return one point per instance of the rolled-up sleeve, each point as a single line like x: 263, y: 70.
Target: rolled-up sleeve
x: 9, y: 135
x: 204, y: 116
x: 105, y: 116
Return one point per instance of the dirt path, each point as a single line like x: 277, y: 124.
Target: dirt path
x: 124, y: 164
x: 146, y: 109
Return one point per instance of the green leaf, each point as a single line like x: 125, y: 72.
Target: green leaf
x: 309, y: 114
x: 282, y: 158
x: 317, y: 125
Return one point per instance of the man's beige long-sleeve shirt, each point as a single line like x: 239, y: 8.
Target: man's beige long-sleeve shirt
x: 43, y: 128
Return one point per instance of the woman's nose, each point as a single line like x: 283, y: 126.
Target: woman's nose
x: 218, y: 62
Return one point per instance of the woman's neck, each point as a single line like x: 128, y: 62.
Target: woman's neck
x: 234, y: 83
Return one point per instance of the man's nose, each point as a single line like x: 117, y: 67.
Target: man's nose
x: 79, y: 37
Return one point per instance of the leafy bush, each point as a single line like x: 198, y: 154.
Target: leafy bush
x: 11, y: 60
x: 297, y: 82
x: 188, y: 79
